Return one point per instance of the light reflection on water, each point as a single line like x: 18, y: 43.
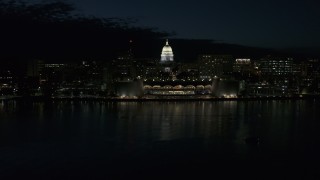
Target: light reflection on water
x: 102, y: 130
x: 228, y: 122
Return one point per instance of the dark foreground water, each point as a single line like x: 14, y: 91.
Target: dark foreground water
x: 160, y: 140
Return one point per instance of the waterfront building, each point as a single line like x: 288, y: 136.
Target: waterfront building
x: 276, y: 66
x: 6, y: 77
x: 34, y: 68
x: 243, y: 66
x: 147, y: 68
x: 310, y: 76
x: 177, y: 87
x: 7, y: 83
x: 123, y: 69
x: 211, y: 65
x: 277, y: 72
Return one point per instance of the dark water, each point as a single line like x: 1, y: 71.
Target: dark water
x: 156, y: 140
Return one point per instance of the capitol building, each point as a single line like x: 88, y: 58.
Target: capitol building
x: 167, y: 54
x: 169, y: 82
x: 166, y: 61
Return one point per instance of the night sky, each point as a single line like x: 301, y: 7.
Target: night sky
x: 266, y: 23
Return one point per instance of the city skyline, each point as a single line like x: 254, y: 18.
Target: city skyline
x: 210, y: 76
x: 64, y: 52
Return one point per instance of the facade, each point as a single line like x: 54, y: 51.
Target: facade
x: 34, y: 68
x: 276, y: 78
x: 309, y: 80
x: 147, y: 69
x: 177, y: 87
x: 211, y: 65
x: 6, y: 83
x: 276, y: 66
x: 167, y: 54
x: 242, y: 66
x: 277, y: 71
x: 123, y: 68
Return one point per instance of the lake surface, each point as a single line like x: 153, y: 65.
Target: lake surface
x: 121, y: 140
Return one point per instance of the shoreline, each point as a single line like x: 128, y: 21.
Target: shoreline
x: 159, y: 98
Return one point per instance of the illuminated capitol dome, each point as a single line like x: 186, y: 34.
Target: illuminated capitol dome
x: 167, y: 54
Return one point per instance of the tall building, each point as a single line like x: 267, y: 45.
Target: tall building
x: 211, y: 65
x: 310, y: 73
x: 147, y: 68
x: 34, y: 68
x: 7, y: 83
x: 276, y: 66
x: 123, y: 68
x: 277, y: 72
x: 242, y: 65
